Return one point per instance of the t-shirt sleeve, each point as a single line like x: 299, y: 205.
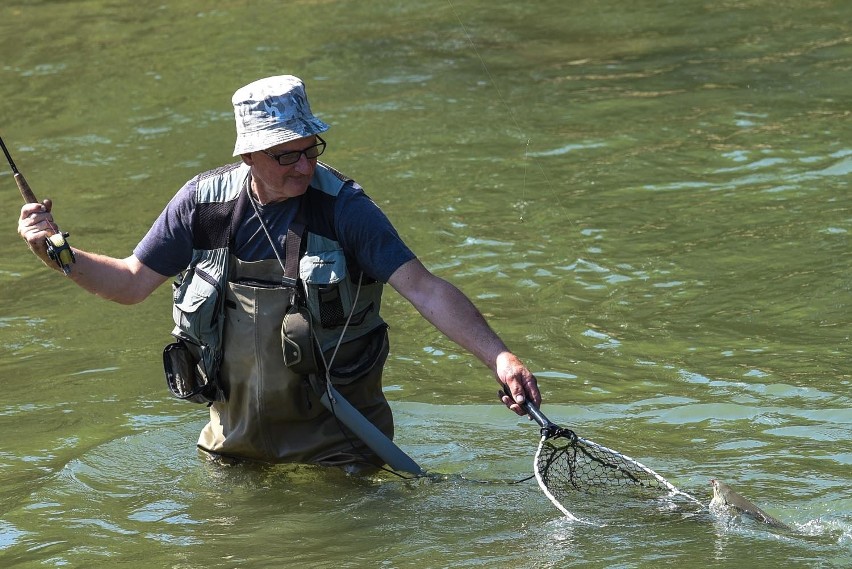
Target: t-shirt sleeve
x: 368, y: 236
x: 167, y: 247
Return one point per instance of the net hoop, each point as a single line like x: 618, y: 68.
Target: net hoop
x: 540, y: 478
x: 546, y: 490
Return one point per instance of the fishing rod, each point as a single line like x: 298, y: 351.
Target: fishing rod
x: 57, y: 245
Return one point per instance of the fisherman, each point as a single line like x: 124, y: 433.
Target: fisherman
x: 280, y: 263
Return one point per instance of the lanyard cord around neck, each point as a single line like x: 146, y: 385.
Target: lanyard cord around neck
x: 326, y: 364
x: 254, y: 206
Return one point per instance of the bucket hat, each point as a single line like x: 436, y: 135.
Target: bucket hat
x: 272, y: 111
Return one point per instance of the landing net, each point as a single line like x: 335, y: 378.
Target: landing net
x: 566, y: 465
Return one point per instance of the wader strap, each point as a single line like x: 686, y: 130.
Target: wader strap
x: 293, y: 250
x: 295, y: 246
x: 292, y: 243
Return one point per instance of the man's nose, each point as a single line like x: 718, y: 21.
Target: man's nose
x: 303, y: 165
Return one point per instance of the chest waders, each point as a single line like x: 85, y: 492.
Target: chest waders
x: 266, y: 410
x: 271, y: 412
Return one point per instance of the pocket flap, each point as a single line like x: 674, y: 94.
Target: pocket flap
x: 195, y: 292
x: 324, y: 267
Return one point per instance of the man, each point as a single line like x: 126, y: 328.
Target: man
x: 281, y: 261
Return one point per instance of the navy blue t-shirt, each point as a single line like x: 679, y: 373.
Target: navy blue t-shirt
x: 367, y: 236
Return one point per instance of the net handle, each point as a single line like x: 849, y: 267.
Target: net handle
x: 548, y: 428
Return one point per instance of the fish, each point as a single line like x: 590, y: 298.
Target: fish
x: 726, y: 500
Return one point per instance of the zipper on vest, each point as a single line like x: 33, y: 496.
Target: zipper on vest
x: 207, y: 278
x: 257, y: 283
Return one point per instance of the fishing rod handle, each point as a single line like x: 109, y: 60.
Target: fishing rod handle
x: 26, y: 192
x: 57, y: 245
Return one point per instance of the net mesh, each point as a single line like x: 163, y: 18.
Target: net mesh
x: 567, y: 464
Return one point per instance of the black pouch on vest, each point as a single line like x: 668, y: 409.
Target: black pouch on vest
x: 183, y: 377
x: 297, y: 341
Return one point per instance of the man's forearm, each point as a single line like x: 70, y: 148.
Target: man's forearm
x: 125, y: 281
x: 453, y: 313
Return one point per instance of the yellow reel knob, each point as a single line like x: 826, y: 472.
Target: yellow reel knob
x: 60, y: 251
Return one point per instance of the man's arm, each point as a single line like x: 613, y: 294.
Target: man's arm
x: 126, y: 281
x: 451, y: 312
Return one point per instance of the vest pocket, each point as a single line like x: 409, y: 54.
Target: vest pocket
x: 197, y: 313
x: 330, y: 306
x: 196, y: 306
x: 297, y: 341
x: 324, y: 273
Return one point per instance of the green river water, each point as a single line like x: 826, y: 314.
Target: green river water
x: 649, y: 200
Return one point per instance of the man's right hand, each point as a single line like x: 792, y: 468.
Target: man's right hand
x: 35, y: 226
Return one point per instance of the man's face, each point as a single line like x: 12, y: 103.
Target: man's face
x: 272, y: 182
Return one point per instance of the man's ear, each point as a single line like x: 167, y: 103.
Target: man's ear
x: 247, y: 159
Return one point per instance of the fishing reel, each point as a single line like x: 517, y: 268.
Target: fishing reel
x: 60, y: 251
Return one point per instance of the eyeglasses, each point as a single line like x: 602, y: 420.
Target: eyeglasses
x: 293, y: 156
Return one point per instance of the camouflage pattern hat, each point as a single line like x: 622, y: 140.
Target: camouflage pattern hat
x: 272, y: 111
